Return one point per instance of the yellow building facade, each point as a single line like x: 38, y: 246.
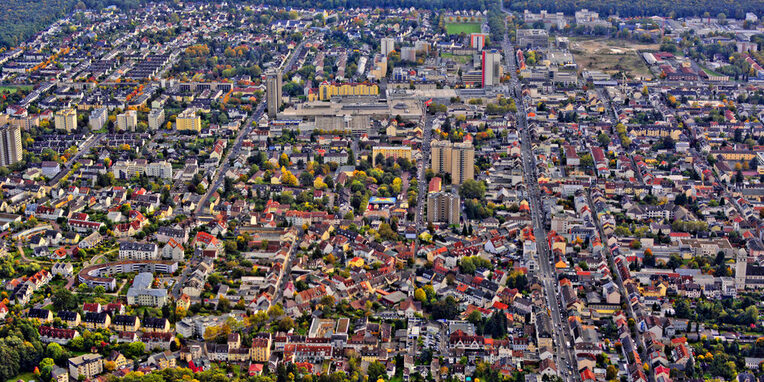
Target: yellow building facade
x: 189, y: 120
x: 326, y: 91
x: 390, y: 151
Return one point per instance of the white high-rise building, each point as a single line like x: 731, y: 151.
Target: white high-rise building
x: 273, y: 92
x: 388, y: 45
x: 492, y: 69
x: 98, y: 118
x: 156, y: 118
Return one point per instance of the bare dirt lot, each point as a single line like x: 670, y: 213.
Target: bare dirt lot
x: 612, y: 56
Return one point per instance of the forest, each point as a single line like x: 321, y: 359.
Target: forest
x: 675, y: 8
x: 22, y: 19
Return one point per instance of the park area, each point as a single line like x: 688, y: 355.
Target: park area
x: 459, y: 28
x: 13, y: 88
x: 612, y: 56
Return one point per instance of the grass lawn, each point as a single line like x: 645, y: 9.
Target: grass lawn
x: 14, y: 89
x: 24, y: 377
x: 466, y: 28
x: 712, y: 73
x: 457, y: 58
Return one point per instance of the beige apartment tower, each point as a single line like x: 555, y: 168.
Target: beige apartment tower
x: 443, y: 207
x: 127, y: 121
x: 66, y: 120
x: 273, y: 92
x: 10, y: 145
x: 457, y: 159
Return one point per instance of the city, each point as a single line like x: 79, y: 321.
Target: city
x: 276, y: 191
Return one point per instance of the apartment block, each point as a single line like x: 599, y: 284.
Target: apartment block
x: 443, y: 207
x: 189, y: 120
x: 457, y: 159
x: 10, y: 145
x: 66, y: 120
x: 156, y: 119
x: 127, y: 121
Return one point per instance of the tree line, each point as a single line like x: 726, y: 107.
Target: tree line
x: 480, y: 5
x: 22, y: 19
x: 678, y: 8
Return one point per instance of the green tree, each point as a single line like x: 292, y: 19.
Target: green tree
x: 375, y: 370
x: 420, y: 295
x: 472, y: 189
x: 135, y: 349
x: 603, y: 139
x: 63, y: 299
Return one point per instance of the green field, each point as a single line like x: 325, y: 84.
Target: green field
x: 466, y: 28
x: 458, y: 58
x: 29, y: 376
x: 14, y: 89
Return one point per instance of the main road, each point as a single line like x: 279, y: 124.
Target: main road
x: 564, y: 357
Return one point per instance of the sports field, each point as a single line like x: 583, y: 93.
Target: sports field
x: 466, y: 28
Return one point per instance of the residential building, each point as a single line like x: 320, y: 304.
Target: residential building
x: 327, y: 90
x: 138, y: 251
x: 125, y: 323
x: 156, y: 118
x: 98, y: 118
x: 59, y: 374
x: 394, y: 152
x: 457, y: 159
x: 141, y: 292
x: 491, y: 68
x: 86, y: 365
x: 477, y: 40
x: 43, y: 315
x: 273, y: 92
x: 10, y: 145
x: 443, y: 207
x: 93, y: 320
x: 387, y: 45
x: 261, y: 348
x: 161, y: 170
x: 127, y: 121
x: 156, y: 325
x: 66, y: 119
x: 188, y: 120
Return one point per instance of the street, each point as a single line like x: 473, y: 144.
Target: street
x: 564, y: 357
